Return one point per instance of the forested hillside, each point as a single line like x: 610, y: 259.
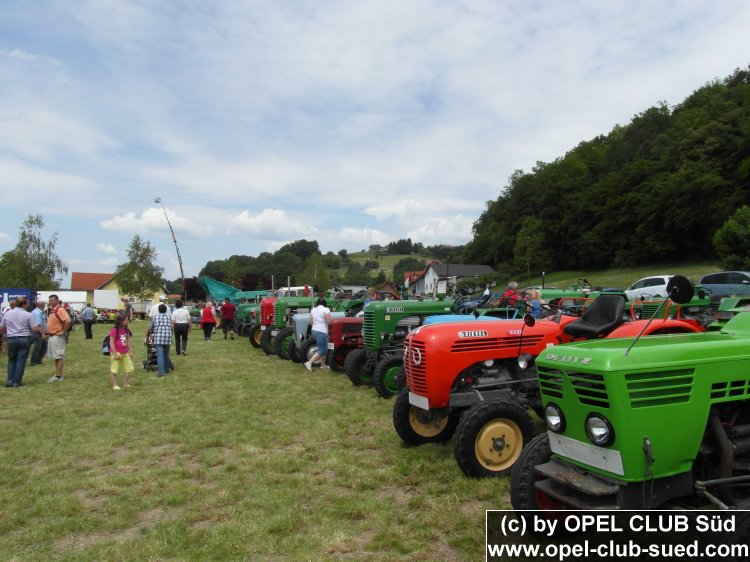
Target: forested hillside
x: 652, y: 191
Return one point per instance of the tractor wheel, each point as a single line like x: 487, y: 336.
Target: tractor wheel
x: 246, y: 329
x: 266, y: 341
x: 416, y: 426
x: 294, y: 352
x: 490, y: 437
x: 238, y: 328
x: 523, y: 493
x: 254, y: 335
x: 385, y: 375
x: 354, y: 367
x: 281, y: 342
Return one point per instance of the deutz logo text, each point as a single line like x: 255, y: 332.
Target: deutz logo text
x: 473, y: 334
x: 395, y: 309
x: 568, y: 359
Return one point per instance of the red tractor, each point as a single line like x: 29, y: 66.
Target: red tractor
x: 477, y: 378
x: 344, y: 335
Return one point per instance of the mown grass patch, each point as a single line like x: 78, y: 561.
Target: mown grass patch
x: 235, y: 455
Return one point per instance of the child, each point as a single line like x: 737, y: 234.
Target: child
x: 535, y: 299
x: 120, y: 353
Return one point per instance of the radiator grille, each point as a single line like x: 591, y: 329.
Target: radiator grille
x: 730, y: 389
x: 659, y: 388
x: 590, y: 389
x: 480, y: 344
x: 368, y: 329
x: 416, y: 375
x: 550, y: 382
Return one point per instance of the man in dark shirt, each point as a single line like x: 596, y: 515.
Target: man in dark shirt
x: 228, y: 310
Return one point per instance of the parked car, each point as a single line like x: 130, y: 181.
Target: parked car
x: 653, y: 286
x: 727, y: 283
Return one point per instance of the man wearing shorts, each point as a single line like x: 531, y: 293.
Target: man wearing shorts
x: 58, y: 322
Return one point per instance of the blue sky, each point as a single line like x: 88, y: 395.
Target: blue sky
x: 349, y: 122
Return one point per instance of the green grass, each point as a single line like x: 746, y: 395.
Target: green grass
x: 235, y: 455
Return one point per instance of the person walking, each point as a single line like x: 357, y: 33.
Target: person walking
x: 88, y: 317
x: 162, y: 330
x: 228, y: 311
x: 17, y: 325
x: 208, y: 320
x: 182, y: 325
x: 39, y: 340
x: 120, y: 353
x: 58, y: 324
x: 320, y: 317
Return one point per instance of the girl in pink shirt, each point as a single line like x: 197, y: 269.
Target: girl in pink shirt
x: 120, y: 352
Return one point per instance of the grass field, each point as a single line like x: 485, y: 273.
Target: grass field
x: 235, y: 455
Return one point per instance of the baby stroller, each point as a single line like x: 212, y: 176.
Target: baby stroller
x: 150, y: 364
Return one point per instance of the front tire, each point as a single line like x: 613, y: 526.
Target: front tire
x: 281, y: 342
x: 354, y: 367
x: 309, y: 348
x: 416, y: 426
x: 254, y: 335
x: 523, y: 493
x: 386, y: 374
x: 266, y: 341
x: 490, y: 438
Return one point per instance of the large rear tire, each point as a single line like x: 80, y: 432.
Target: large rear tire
x: 309, y: 348
x: 386, y: 375
x: 416, y: 426
x: 254, y: 335
x: 523, y: 493
x: 490, y: 438
x: 294, y: 352
x: 354, y: 367
x: 266, y: 341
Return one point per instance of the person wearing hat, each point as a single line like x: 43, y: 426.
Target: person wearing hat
x: 155, y: 309
x: 39, y: 341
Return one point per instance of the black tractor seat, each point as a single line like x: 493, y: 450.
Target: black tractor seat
x: 599, y: 319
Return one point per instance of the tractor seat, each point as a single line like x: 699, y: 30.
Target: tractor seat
x: 599, y: 319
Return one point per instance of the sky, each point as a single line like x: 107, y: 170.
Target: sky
x: 351, y: 123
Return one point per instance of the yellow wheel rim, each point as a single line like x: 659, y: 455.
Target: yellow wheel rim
x: 423, y: 423
x: 498, y: 445
x: 257, y: 336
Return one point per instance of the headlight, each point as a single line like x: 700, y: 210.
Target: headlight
x: 554, y: 417
x: 599, y: 430
x: 524, y: 360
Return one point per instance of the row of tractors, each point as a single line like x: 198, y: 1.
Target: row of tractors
x: 646, y: 404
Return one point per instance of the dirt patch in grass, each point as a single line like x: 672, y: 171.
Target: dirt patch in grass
x: 397, y: 495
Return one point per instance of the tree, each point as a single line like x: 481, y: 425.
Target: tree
x: 406, y: 264
x: 732, y: 241
x: 33, y: 262
x: 315, y: 273
x: 529, y: 252
x: 139, y: 277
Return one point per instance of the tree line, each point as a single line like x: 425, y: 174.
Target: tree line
x: 653, y: 191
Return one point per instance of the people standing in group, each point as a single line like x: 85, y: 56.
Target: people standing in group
x: 17, y: 325
x: 58, y: 323
x: 161, y: 326
x: 182, y: 325
x: 39, y: 340
x: 228, y: 311
x: 320, y: 317
x: 120, y: 354
x: 208, y: 320
x: 88, y: 317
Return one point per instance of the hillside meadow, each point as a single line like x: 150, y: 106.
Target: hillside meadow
x: 234, y: 455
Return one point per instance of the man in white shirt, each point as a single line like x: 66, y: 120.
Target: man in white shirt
x: 153, y: 313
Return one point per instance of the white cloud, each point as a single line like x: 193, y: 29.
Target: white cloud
x: 106, y: 248
x: 23, y: 55
x: 152, y: 220
x: 4, y: 237
x: 271, y: 224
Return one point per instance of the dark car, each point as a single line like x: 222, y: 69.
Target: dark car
x: 726, y: 283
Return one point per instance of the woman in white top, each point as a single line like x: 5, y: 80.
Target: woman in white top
x: 320, y: 317
x: 182, y: 325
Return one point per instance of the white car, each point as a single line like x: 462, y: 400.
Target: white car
x: 653, y: 286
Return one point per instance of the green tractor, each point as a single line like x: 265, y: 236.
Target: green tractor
x: 248, y: 310
x: 658, y: 422
x: 385, y: 326
x: 728, y: 308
